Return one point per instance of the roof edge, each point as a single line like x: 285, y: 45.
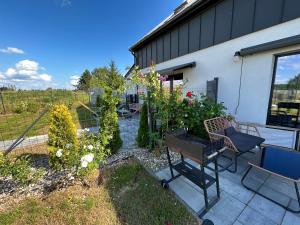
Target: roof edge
x: 194, y: 6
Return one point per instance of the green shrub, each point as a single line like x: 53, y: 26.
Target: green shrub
x: 18, y: 168
x: 62, y: 138
x: 116, y: 142
x: 193, y: 111
x: 143, y: 132
x: 21, y: 107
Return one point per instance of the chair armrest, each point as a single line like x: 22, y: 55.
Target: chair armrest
x: 248, y: 128
x: 228, y: 143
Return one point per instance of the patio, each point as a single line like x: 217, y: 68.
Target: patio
x: 237, y: 205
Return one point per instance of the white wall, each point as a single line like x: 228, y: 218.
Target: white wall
x: 218, y: 61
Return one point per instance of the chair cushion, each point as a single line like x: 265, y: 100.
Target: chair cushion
x: 245, y: 142
x: 281, y: 161
x: 230, y: 131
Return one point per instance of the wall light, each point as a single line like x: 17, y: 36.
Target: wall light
x: 237, y: 57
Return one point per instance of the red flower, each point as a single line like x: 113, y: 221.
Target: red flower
x: 169, y: 224
x: 190, y: 103
x: 189, y: 94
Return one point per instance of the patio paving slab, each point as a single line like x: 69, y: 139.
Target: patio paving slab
x: 291, y: 219
x: 267, y: 209
x: 252, y: 217
x: 237, y: 205
x: 226, y: 211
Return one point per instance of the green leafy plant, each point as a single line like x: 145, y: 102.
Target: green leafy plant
x: 143, y: 131
x: 113, y: 86
x: 19, y: 169
x: 62, y: 138
x: 194, y: 110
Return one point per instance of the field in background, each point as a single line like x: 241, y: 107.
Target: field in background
x: 19, y: 109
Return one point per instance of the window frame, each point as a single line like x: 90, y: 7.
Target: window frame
x: 276, y: 56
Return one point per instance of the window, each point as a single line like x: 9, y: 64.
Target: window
x: 173, y: 82
x: 284, y: 106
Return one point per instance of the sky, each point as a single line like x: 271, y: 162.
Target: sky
x: 287, y: 68
x: 49, y: 43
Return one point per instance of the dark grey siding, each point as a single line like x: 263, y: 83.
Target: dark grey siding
x: 153, y: 48
x: 243, y: 14
x: 144, y: 63
x: 174, y: 43
x: 207, y: 28
x: 223, y: 21
x: 291, y: 10
x: 167, y: 46
x: 160, y: 50
x: 149, y: 55
x: 184, y: 39
x: 194, y: 34
x: 267, y: 13
x: 218, y: 23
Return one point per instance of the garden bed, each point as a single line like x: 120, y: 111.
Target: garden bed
x: 127, y: 195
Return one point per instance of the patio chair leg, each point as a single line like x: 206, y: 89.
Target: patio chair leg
x: 170, y: 163
x: 234, y: 163
x: 217, y: 178
x: 277, y: 203
x: 297, y: 193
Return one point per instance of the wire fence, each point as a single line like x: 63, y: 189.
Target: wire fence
x: 25, y: 116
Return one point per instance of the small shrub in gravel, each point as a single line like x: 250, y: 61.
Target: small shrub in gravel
x: 143, y: 132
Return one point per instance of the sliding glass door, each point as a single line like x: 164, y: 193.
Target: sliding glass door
x: 284, y: 107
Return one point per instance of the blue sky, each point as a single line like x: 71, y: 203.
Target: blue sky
x: 47, y: 43
x: 287, y: 68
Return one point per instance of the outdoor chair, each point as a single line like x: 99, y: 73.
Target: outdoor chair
x: 281, y: 162
x: 238, y: 137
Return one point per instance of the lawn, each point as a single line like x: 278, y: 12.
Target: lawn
x: 23, y: 107
x: 128, y: 195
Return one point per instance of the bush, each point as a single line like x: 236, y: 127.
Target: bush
x: 18, y: 168
x: 62, y: 138
x: 193, y: 111
x: 21, y: 107
x: 116, y: 142
x: 143, y: 132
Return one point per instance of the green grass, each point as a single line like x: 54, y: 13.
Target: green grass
x: 128, y: 196
x: 13, y: 123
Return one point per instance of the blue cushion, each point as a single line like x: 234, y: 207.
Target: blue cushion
x: 243, y: 142
x: 280, y: 161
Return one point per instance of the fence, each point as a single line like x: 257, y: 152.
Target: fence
x: 24, y: 116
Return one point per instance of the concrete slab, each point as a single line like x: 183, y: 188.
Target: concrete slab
x: 291, y: 219
x: 267, y: 208
x: 252, y: 217
x: 193, y: 198
x: 237, y: 223
x: 277, y: 196
x: 226, y: 211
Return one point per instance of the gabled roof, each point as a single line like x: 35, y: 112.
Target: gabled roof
x: 181, y: 11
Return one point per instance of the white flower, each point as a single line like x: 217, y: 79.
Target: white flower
x: 84, y: 164
x: 87, y: 130
x: 59, y: 153
x: 68, y: 146
x: 89, y: 157
x: 90, y: 147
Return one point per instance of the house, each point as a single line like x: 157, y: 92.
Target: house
x: 252, y: 47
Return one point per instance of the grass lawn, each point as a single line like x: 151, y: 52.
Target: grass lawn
x: 13, y: 124
x: 128, y: 196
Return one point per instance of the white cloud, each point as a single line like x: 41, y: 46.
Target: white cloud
x: 65, y: 3
x: 12, y: 50
x: 74, y: 80
x: 27, y: 74
x: 27, y: 65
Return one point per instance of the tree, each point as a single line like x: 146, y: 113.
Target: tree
x: 113, y: 85
x: 84, y: 81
